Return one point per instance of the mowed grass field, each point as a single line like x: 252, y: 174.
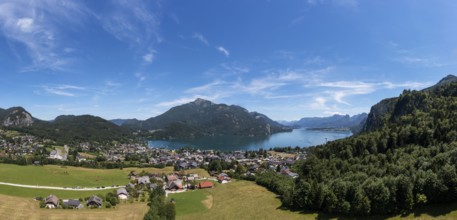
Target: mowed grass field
x: 246, y: 200
x: 235, y: 200
x: 63, y: 194
x: 13, y: 208
x: 53, y: 175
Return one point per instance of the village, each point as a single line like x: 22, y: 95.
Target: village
x: 221, y: 167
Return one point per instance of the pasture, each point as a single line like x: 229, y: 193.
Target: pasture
x: 13, y: 208
x: 54, y: 175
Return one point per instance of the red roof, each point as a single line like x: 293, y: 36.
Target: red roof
x: 205, y: 184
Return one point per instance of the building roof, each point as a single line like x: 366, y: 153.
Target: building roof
x: 122, y: 191
x: 73, y: 203
x: 172, y: 178
x: 205, y: 184
x: 95, y: 200
x: 52, y: 199
x: 144, y: 180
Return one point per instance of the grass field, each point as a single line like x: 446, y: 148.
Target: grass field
x: 246, y: 200
x: 236, y: 200
x: 53, y: 175
x: 13, y: 208
x: 32, y: 193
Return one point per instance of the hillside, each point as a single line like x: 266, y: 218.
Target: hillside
x: 204, y: 118
x: 64, y: 129
x: 406, y: 158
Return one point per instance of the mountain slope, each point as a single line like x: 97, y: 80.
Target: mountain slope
x: 202, y: 117
x: 64, y: 129
x: 381, y: 113
x: 406, y: 158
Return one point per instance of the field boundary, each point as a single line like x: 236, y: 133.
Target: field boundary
x: 59, y: 188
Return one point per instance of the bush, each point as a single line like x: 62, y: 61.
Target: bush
x: 108, y: 205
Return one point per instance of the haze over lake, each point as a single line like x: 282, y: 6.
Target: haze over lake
x: 298, y: 137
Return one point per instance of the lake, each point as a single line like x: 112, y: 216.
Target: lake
x: 298, y: 137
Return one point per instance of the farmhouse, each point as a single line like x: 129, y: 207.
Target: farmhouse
x: 171, y: 178
x: 144, y: 180
x: 51, y: 202
x: 94, y: 201
x: 175, y: 185
x: 73, y: 204
x: 205, y: 184
x: 122, y: 193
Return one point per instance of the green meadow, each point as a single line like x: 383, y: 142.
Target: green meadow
x: 64, y: 194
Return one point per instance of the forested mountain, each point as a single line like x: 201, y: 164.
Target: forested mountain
x: 406, y: 158
x: 64, y: 129
x: 202, y: 117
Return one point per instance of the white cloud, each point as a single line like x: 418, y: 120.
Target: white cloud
x: 25, y: 24
x: 184, y: 100
x: 201, y: 38
x: 63, y: 90
x: 223, y: 50
x: 148, y: 58
x: 140, y: 76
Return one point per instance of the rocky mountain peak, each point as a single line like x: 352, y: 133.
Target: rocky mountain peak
x: 202, y: 102
x: 17, y: 117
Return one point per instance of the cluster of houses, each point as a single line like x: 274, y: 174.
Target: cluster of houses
x: 53, y: 202
x: 138, y: 154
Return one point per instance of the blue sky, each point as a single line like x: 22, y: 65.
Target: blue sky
x: 286, y: 59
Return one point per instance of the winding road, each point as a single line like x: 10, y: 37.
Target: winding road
x: 60, y: 188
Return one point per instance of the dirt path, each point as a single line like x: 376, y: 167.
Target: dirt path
x: 58, y: 188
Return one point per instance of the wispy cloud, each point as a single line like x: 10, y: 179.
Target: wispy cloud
x: 223, y: 50
x: 410, y: 58
x: 37, y: 26
x: 343, y: 3
x: 296, y: 21
x: 63, y: 90
x: 201, y: 38
x: 135, y: 23
x: 183, y: 100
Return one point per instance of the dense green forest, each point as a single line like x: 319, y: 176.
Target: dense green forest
x: 408, y: 158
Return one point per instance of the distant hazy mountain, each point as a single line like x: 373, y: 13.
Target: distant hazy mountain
x: 119, y: 122
x: 204, y: 118
x: 335, y: 121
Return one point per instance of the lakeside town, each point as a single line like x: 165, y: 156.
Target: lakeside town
x: 221, y: 166
x: 28, y: 149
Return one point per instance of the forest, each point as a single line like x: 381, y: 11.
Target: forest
x: 407, y: 162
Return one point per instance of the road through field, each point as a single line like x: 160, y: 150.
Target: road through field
x: 60, y: 188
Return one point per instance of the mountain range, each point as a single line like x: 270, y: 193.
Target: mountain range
x: 198, y: 118
x: 194, y: 119
x: 332, y: 122
x: 204, y: 118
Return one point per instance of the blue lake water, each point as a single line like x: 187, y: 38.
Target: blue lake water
x: 298, y: 137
